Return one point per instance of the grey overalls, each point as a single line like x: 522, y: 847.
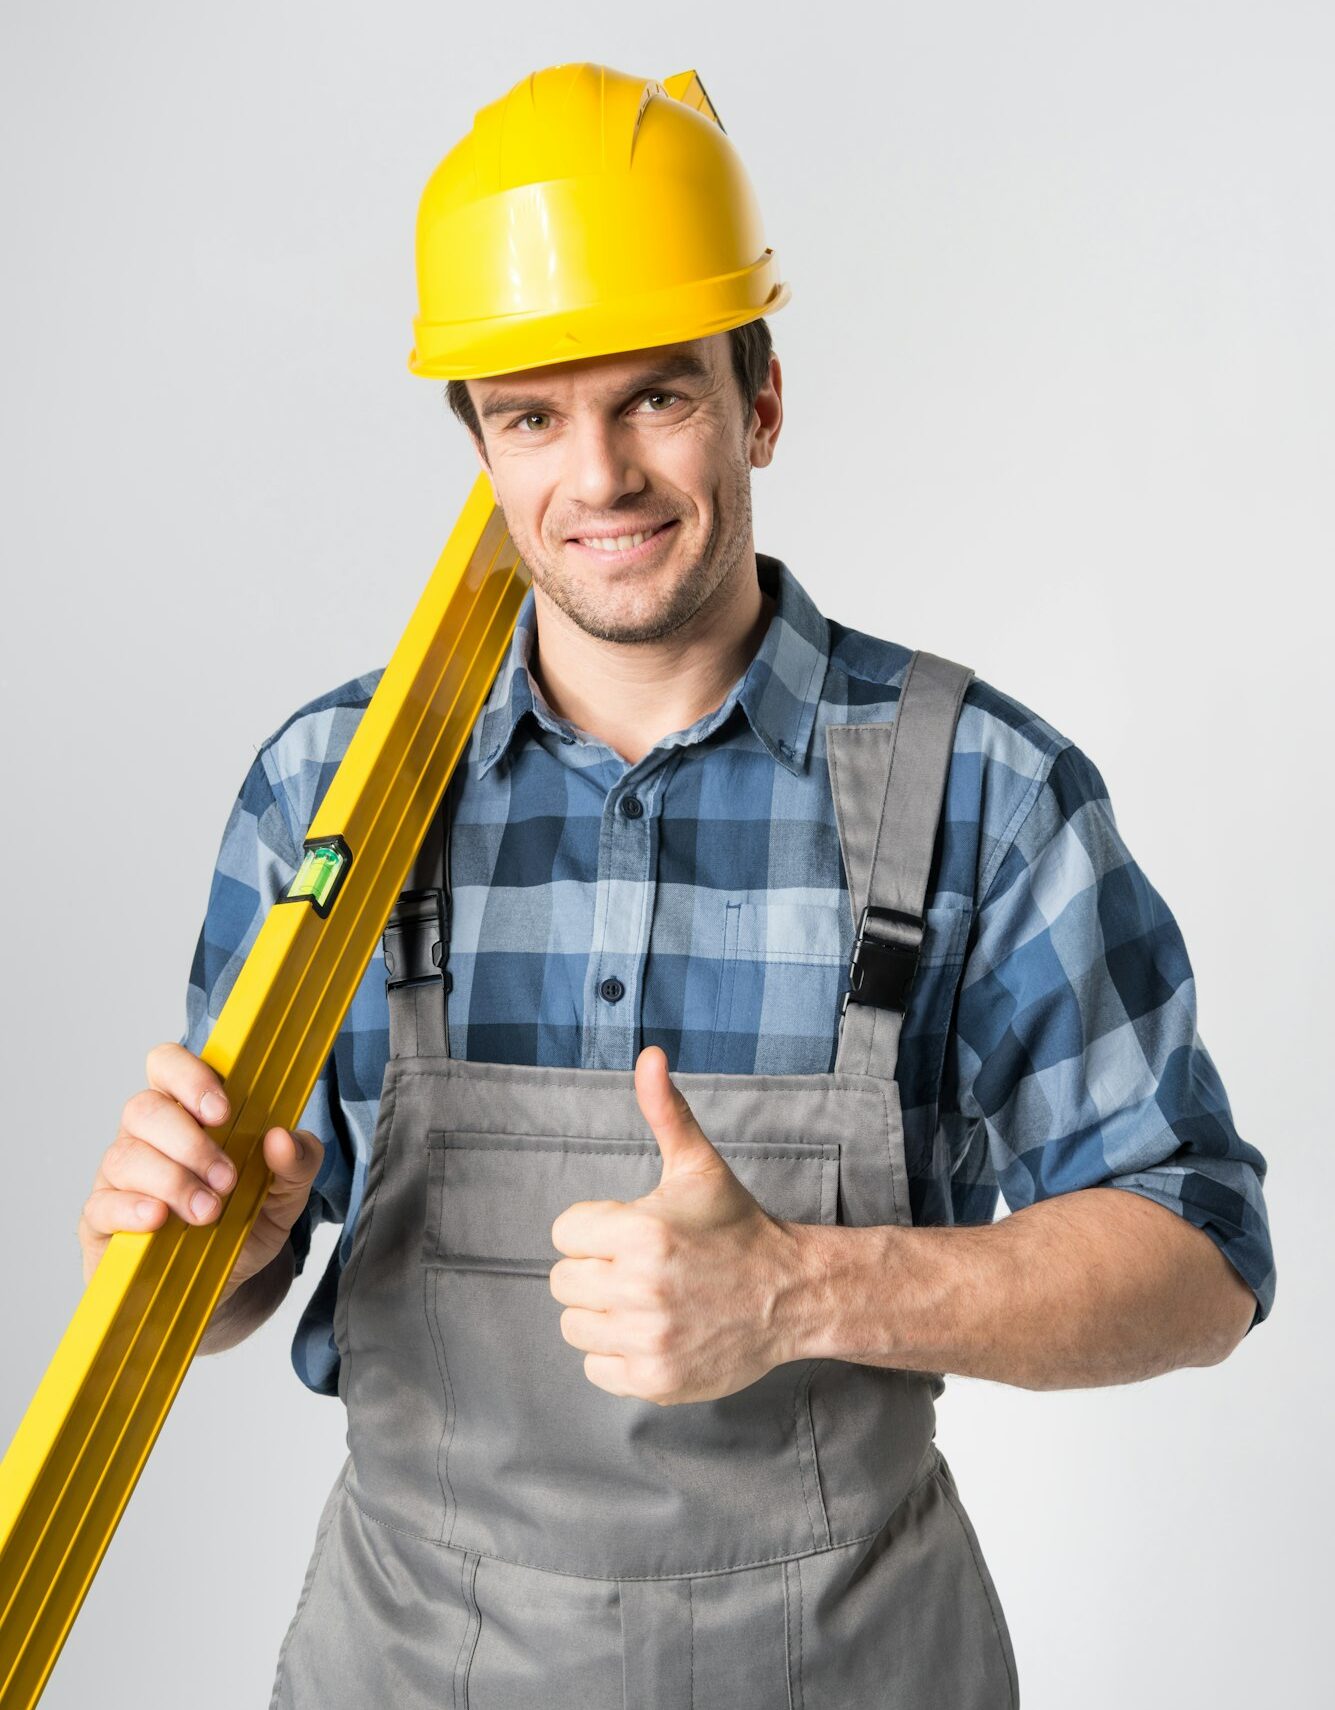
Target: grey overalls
x: 506, y: 1536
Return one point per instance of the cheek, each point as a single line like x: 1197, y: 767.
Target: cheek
x: 524, y: 502
x: 709, y: 476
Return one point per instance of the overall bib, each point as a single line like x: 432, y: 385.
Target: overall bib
x: 506, y: 1536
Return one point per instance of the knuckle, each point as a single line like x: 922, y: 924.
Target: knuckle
x: 653, y: 1240
x: 660, y: 1243
x: 139, y: 1167
x: 660, y: 1340
x: 100, y: 1218
x: 159, y: 1057
x: 139, y: 1155
x: 656, y: 1379
x: 118, y: 1156
x: 116, y: 1148
x: 650, y: 1342
x: 653, y: 1292
x: 644, y: 1281
x: 141, y: 1108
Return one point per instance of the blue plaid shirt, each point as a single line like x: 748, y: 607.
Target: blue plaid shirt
x: 696, y: 900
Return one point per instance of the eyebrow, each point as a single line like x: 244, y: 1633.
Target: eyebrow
x: 683, y: 367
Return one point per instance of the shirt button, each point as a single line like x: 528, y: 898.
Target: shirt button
x: 612, y: 990
x: 632, y: 807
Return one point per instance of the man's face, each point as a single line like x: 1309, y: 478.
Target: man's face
x: 585, y: 454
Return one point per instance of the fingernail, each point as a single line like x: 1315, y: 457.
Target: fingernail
x: 202, y: 1204
x: 213, y: 1107
x: 220, y: 1175
x: 300, y: 1149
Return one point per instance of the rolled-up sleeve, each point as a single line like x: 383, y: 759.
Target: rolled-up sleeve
x: 1077, y: 1043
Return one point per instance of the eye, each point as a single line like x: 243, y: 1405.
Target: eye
x: 671, y: 397
x: 539, y: 416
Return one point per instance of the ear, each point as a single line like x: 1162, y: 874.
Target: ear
x: 766, y: 417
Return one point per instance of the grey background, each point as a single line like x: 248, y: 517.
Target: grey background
x: 1058, y: 373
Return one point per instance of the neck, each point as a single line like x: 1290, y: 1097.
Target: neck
x: 631, y: 695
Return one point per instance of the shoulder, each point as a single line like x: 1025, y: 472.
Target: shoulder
x: 299, y: 759
x: 1005, y: 756
x: 866, y: 672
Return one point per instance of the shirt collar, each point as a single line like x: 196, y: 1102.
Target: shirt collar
x: 778, y: 692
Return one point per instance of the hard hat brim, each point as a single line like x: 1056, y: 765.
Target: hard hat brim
x: 512, y: 343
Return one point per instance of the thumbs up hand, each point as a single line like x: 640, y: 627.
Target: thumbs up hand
x: 690, y: 1292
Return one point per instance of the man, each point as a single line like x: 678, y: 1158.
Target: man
x: 640, y: 1376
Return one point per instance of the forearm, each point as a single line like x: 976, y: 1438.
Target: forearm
x: 257, y: 1299
x: 1097, y: 1287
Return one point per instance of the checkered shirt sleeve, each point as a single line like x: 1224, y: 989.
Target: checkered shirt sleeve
x: 1077, y: 1055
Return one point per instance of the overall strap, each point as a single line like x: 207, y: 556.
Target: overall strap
x: 416, y: 945
x: 889, y: 783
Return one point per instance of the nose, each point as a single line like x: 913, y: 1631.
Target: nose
x: 603, y: 466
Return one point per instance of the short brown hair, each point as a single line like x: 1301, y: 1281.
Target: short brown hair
x: 751, y: 347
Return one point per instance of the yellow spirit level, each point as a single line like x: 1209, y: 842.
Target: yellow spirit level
x: 79, y: 1449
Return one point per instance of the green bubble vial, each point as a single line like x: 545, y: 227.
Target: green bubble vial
x: 321, y: 872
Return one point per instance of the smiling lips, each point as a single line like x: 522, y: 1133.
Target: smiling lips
x: 623, y: 546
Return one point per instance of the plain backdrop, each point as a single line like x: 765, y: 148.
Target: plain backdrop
x: 1059, y: 380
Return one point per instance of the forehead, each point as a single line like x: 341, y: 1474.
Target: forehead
x: 594, y: 377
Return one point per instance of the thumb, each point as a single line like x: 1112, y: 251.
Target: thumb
x: 685, y: 1148
x: 294, y: 1157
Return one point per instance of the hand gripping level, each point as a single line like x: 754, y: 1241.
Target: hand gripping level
x: 82, y: 1444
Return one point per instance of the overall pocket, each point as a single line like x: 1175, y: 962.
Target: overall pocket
x: 540, y: 1466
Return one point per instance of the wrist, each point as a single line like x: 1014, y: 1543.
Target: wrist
x: 250, y: 1303
x: 806, y: 1301
x: 841, y: 1281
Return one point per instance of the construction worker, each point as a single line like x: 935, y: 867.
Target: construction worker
x: 640, y: 1371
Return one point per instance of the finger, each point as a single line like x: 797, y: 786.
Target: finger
x: 589, y: 1229
x: 664, y: 1105
x: 157, y: 1118
x: 108, y: 1211
x: 606, y: 1371
x: 582, y: 1282
x: 173, y: 1070
x: 136, y: 1167
x: 595, y: 1332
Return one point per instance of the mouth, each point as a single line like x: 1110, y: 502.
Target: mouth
x: 630, y: 547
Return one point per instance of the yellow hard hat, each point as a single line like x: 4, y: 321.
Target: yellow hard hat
x: 587, y: 212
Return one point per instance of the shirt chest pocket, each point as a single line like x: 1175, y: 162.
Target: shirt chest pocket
x: 783, y: 969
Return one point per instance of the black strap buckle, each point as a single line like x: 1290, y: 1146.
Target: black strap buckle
x: 883, y: 964
x: 413, y: 941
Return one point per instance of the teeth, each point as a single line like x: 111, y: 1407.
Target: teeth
x: 617, y: 543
